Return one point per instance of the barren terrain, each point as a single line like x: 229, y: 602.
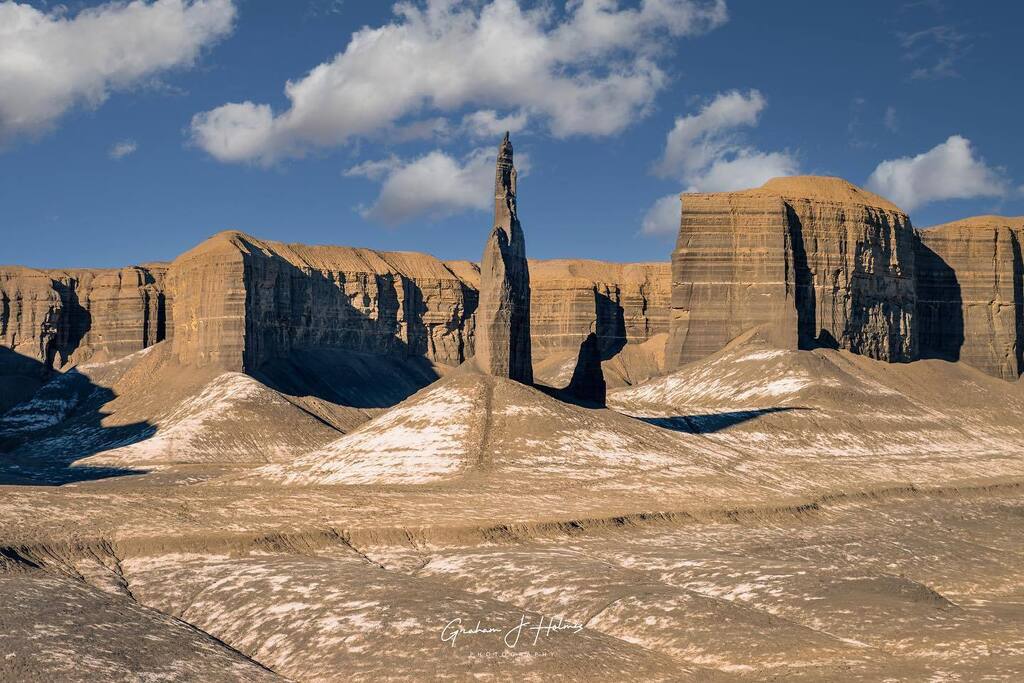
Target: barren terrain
x: 760, y: 513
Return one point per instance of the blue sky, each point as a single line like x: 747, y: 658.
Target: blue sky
x: 131, y: 132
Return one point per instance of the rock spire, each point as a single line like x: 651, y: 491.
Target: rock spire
x: 503, y: 316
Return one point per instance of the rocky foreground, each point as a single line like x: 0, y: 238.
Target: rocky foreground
x: 762, y: 513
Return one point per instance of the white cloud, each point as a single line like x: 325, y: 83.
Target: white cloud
x: 663, y: 217
x: 122, y: 149
x: 947, y: 171
x: 704, y: 153
x: 433, y: 186
x: 488, y: 123
x: 591, y: 71
x: 697, y: 140
x: 744, y: 169
x: 376, y: 169
x: 50, y: 62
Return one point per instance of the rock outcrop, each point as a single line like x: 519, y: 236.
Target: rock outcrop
x: 623, y: 303
x: 732, y: 269
x: 62, y: 317
x: 503, y: 318
x: 241, y: 302
x: 812, y: 261
x: 587, y: 383
x: 970, y: 293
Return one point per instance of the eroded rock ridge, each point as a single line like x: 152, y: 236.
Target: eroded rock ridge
x: 503, y: 319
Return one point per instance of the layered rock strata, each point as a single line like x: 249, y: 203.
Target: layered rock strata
x: 241, y: 302
x: 503, y: 319
x: 60, y: 317
x: 732, y: 269
x: 622, y: 303
x: 970, y: 293
x: 812, y: 261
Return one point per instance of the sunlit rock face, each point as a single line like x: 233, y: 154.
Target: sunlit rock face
x: 242, y: 302
x: 813, y: 261
x: 62, y: 316
x: 503, y: 319
x: 622, y: 303
x: 970, y: 299
x: 731, y: 270
x: 53, y: 319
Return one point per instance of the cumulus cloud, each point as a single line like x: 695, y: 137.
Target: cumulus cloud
x: 703, y: 151
x: 122, y: 149
x: 746, y: 168
x: 947, y: 171
x: 591, y: 70
x: 697, y: 140
x: 488, y: 123
x: 663, y: 217
x: 434, y: 186
x: 51, y: 62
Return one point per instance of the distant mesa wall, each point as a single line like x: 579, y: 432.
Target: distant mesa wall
x: 810, y: 265
x: 241, y: 302
x: 620, y: 302
x: 971, y: 295
x: 812, y: 261
x: 60, y: 317
x: 52, y: 319
x: 236, y: 302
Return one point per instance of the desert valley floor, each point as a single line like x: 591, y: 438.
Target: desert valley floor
x: 758, y: 514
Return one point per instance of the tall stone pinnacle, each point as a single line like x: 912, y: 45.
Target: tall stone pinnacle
x: 503, y: 316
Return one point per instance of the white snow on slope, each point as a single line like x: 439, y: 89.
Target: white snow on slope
x: 416, y: 442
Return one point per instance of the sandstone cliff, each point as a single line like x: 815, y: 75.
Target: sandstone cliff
x: 970, y: 298
x: 732, y: 269
x: 815, y: 261
x: 621, y: 302
x: 53, y: 319
x: 240, y: 302
x: 59, y: 317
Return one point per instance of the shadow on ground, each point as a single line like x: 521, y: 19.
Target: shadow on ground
x: 41, y: 438
x: 712, y: 422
